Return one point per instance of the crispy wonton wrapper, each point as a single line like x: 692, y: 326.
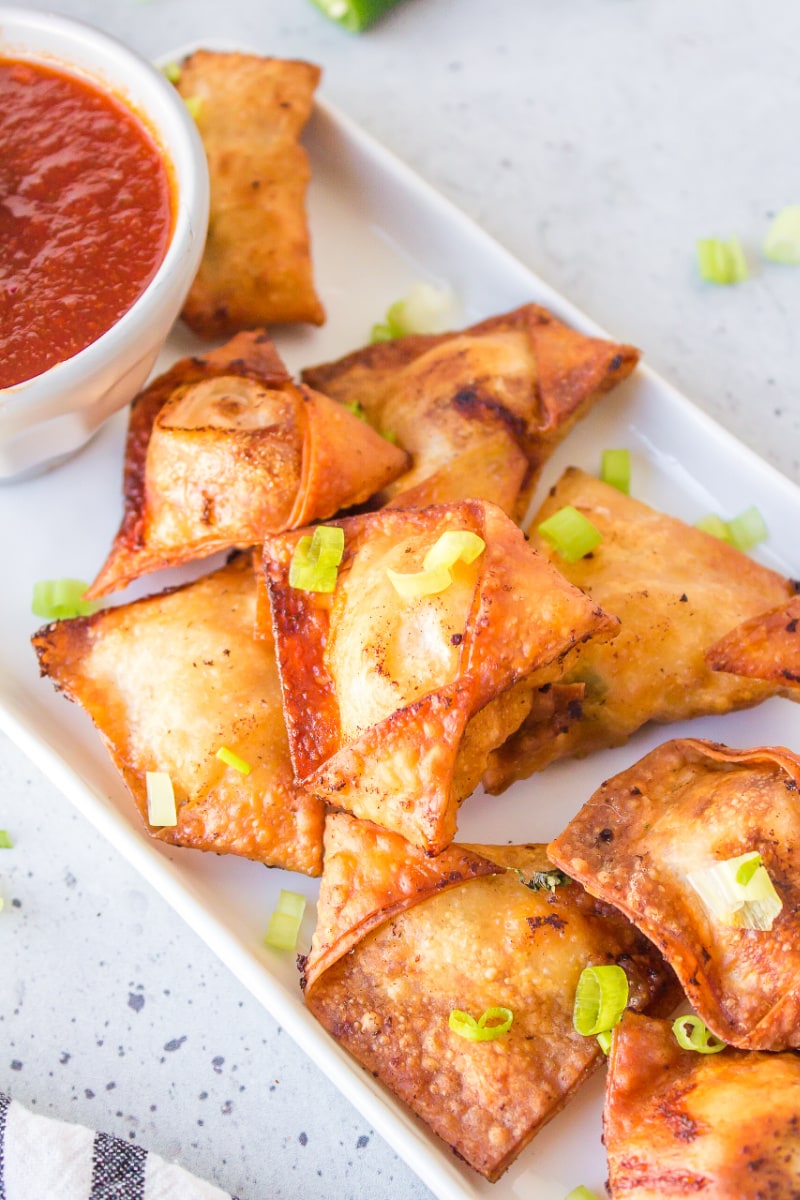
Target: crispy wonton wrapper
x: 402, y: 940
x: 392, y: 704
x: 480, y: 411
x: 676, y: 591
x: 678, y: 1124
x: 256, y: 267
x: 765, y: 647
x: 170, y: 680
x: 679, y: 810
x: 225, y: 449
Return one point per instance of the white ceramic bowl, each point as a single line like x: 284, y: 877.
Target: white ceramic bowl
x: 49, y: 417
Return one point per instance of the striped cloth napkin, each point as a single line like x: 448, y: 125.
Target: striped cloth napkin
x: 44, y: 1159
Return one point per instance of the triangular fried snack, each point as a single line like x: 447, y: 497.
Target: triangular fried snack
x: 765, y: 647
x: 225, y: 449
x: 680, y: 810
x: 681, y: 1124
x: 392, y: 704
x: 256, y: 268
x: 676, y: 591
x: 515, y: 383
x: 403, y: 940
x: 172, y: 679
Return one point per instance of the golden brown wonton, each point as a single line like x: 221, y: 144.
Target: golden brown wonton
x: 679, y: 1124
x: 256, y: 268
x: 224, y: 449
x: 676, y: 591
x: 481, y: 410
x: 765, y: 647
x: 681, y: 809
x: 392, y: 704
x: 402, y: 940
x: 171, y: 679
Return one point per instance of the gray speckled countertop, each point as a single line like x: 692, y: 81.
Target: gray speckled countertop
x: 596, y: 140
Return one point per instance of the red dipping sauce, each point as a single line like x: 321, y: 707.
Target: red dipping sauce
x: 85, y: 215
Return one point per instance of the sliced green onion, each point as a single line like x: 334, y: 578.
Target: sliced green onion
x: 57, y: 599
x: 715, y: 526
x: 570, y: 533
x: 354, y: 15
x: 194, y: 105
x: 5, y: 841
x: 420, y: 583
x: 452, y: 546
x: 173, y: 72
x: 615, y: 469
x: 481, y: 1030
x: 581, y: 1193
x: 748, y: 529
x: 738, y: 892
x: 782, y: 243
x: 355, y: 408
x: 699, y: 1038
x: 381, y: 332
x: 721, y: 261
x: 284, y: 924
x: 600, y: 999
x: 604, y: 1040
x: 315, y: 562
x: 232, y: 760
x: 161, y: 810
x: 425, y: 309
x: 543, y: 881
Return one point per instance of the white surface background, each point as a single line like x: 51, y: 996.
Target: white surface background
x: 596, y: 140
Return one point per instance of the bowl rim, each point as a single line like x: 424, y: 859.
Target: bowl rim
x: 159, y: 106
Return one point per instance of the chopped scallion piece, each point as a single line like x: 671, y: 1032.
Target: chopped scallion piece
x: 782, y: 242
x: 315, y: 562
x: 491, y: 1024
x: 354, y: 15
x: 543, y: 881
x: 425, y: 309
x: 570, y: 533
x: 232, y: 760
x: 284, y: 924
x: 355, y: 408
x: 452, y: 546
x: 722, y: 261
x: 161, y: 811
x: 173, y: 72
x: 581, y: 1193
x: 194, y: 105
x: 715, y: 526
x: 693, y: 1034
x: 738, y: 892
x: 5, y: 841
x: 57, y: 599
x: 604, y: 1040
x: 748, y: 529
x: 615, y: 469
x: 600, y: 999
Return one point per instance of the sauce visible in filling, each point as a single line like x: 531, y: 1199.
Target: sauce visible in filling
x: 85, y: 215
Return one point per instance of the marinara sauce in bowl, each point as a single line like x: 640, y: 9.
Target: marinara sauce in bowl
x: 103, y: 215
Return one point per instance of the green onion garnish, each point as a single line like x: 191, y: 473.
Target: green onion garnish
x: 315, y: 562
x: 748, y: 529
x: 425, y: 309
x: 738, y: 892
x: 699, y: 1037
x: 721, y: 261
x: 56, y: 599
x: 604, y: 1040
x: 714, y: 525
x: 782, y: 242
x: 581, y: 1193
x: 570, y: 533
x: 543, y: 881
x: 161, y: 810
x: 232, y: 760
x: 194, y: 105
x: 173, y: 72
x: 600, y: 999
x: 284, y: 924
x: 355, y: 408
x: 481, y: 1030
x: 5, y: 841
x: 452, y: 546
x: 354, y: 15
x: 615, y: 469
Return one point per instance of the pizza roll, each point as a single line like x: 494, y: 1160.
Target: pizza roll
x: 650, y: 841
x: 765, y: 647
x: 403, y: 940
x: 676, y: 590
x: 679, y: 1124
x: 393, y: 702
x: 172, y: 679
x: 514, y: 384
x: 224, y: 449
x: 256, y: 267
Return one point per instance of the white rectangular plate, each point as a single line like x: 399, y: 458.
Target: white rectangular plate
x: 376, y: 229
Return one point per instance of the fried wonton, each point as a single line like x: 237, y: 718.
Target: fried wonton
x: 681, y: 810
x: 402, y: 940
x: 256, y: 268
x: 170, y: 680
x: 765, y: 647
x: 506, y: 390
x: 392, y: 704
x: 679, y: 1124
x: 676, y: 591
x: 225, y: 449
